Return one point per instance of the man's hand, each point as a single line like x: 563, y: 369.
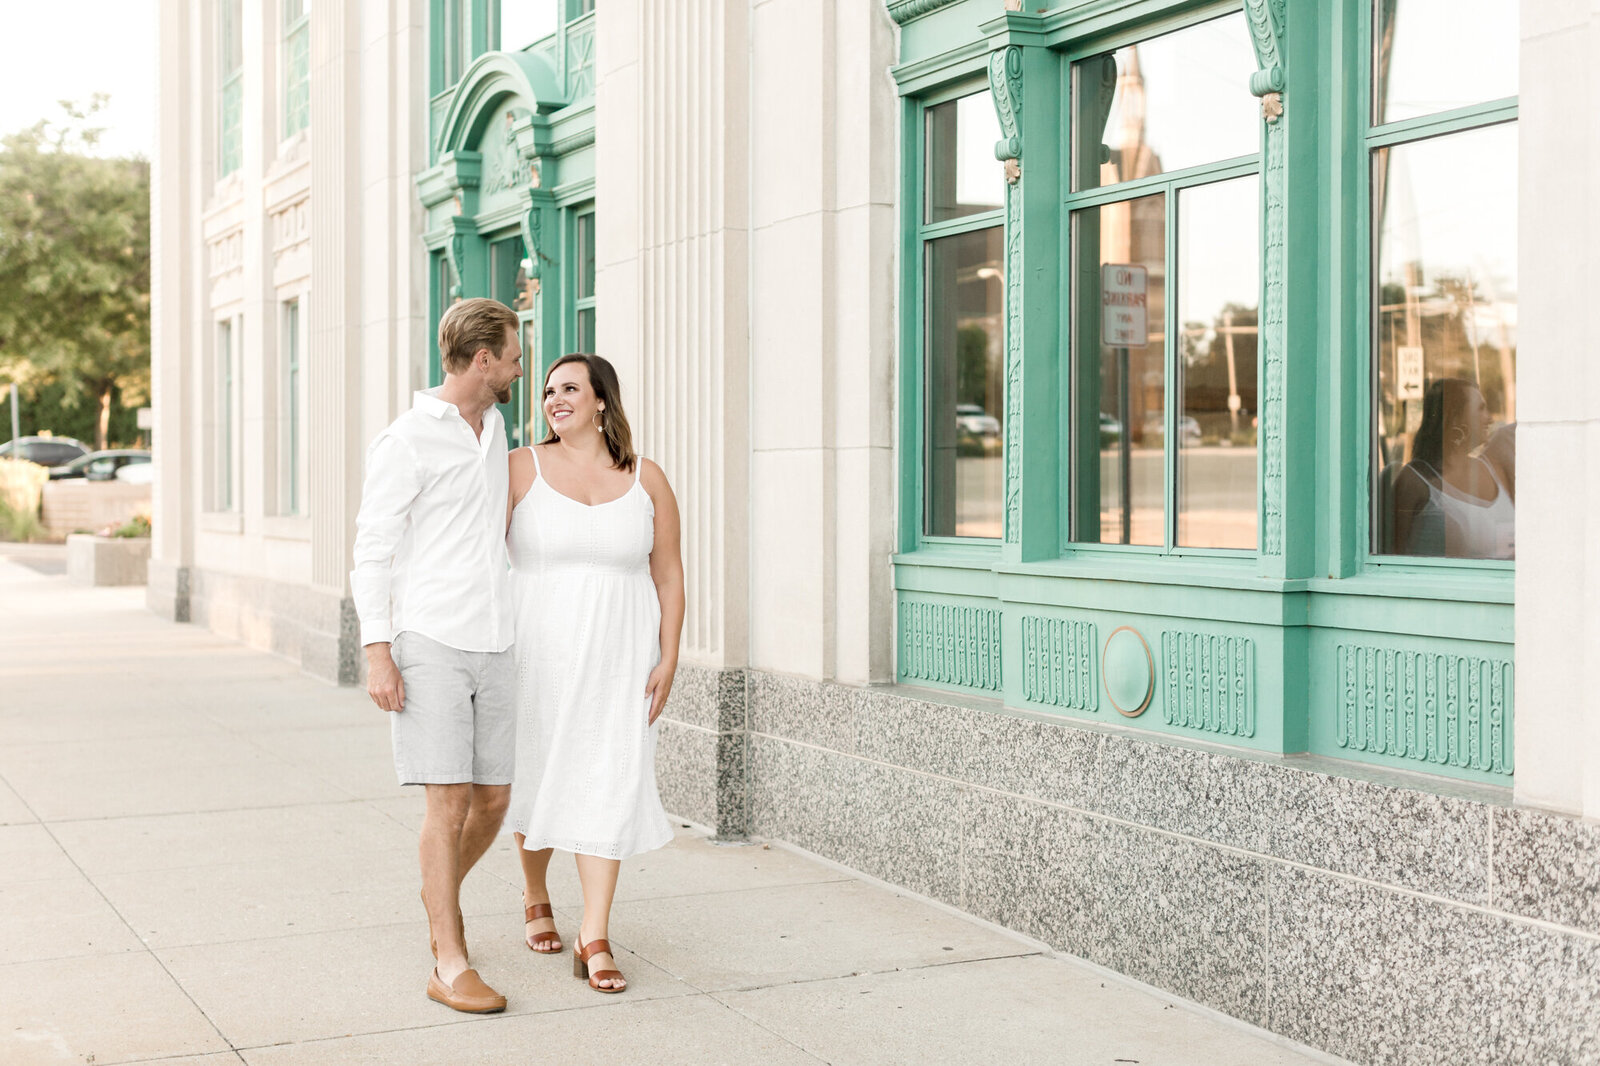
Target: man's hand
x: 384, y: 685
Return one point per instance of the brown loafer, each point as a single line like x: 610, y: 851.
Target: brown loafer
x: 467, y: 994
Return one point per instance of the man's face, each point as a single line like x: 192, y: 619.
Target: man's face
x: 506, y: 368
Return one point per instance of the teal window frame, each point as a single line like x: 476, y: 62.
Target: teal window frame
x: 576, y: 302
x: 916, y: 234
x: 230, y: 87
x: 291, y: 477
x: 458, y: 33
x: 296, y: 69
x: 224, y: 496
x: 1168, y: 185
x: 1373, y: 136
x: 439, y: 282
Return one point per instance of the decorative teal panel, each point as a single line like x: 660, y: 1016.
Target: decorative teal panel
x: 1005, y: 82
x: 1058, y: 663
x: 1210, y: 682
x: 950, y: 644
x: 903, y: 11
x: 1267, y: 27
x: 1428, y: 707
x: 580, y: 61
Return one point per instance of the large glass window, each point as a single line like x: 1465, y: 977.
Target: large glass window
x: 222, y: 494
x: 1444, y: 280
x: 230, y: 87
x: 456, y: 39
x: 291, y: 480
x: 1165, y: 285
x: 583, y: 337
x: 963, y: 300
x: 296, y: 66
x: 520, y: 23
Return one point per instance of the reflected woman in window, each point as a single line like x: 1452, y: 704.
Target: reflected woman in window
x: 1448, y: 500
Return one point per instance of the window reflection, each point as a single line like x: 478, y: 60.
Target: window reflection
x: 1120, y: 296
x: 1165, y: 104
x: 523, y: 22
x: 1436, y: 55
x: 963, y: 177
x: 1219, y: 281
x: 965, y: 384
x: 1446, y: 346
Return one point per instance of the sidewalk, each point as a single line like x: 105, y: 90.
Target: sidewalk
x: 204, y: 858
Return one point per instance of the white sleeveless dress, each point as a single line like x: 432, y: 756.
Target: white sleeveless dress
x: 588, y: 629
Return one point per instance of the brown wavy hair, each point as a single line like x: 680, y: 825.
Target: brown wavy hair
x: 614, y: 428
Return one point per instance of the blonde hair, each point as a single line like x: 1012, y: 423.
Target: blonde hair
x: 469, y: 325
x: 614, y: 429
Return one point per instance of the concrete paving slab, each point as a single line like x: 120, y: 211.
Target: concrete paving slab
x: 89, y: 780
x: 300, y: 988
x: 12, y: 810
x: 690, y: 1031
x: 1030, y: 1010
x: 29, y: 853
x: 59, y: 919
x: 356, y: 759
x: 104, y: 1009
x: 104, y: 846
x: 799, y: 933
x: 289, y: 897
x: 92, y: 718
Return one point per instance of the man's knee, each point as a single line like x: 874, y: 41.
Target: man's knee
x: 449, y: 804
x: 491, y: 801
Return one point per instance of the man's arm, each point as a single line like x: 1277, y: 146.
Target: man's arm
x: 391, y: 485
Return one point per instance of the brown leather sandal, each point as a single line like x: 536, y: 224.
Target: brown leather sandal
x: 541, y: 942
x: 461, y: 928
x: 582, y: 953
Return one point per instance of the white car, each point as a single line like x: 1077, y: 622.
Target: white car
x: 137, y: 473
x: 970, y: 418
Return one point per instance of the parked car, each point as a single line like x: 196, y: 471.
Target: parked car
x: 100, y: 466
x: 1188, y: 429
x: 1110, y: 429
x: 46, y: 451
x: 137, y: 473
x: 970, y: 418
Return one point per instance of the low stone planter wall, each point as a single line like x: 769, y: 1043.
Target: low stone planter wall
x: 74, y: 505
x: 95, y: 560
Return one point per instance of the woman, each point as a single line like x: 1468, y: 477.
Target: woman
x: 1448, y: 500
x: 598, y: 586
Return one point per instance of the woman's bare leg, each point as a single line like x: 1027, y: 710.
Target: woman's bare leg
x: 534, y: 866
x: 599, y: 879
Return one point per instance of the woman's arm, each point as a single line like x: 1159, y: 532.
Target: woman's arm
x: 521, y: 460
x: 666, y: 569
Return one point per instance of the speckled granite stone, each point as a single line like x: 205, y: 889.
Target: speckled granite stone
x: 1032, y: 758
x: 1392, y: 979
x: 906, y: 829
x: 1182, y: 916
x: 686, y: 771
x: 1399, y: 836
x: 812, y: 712
x: 1547, y: 866
x: 694, y: 696
x: 800, y: 795
x: 935, y: 738
x: 733, y: 793
x: 1029, y: 867
x: 733, y: 700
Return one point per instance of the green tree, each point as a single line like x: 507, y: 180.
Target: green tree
x: 74, y: 266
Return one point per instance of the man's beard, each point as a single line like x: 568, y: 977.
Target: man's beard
x: 504, y: 395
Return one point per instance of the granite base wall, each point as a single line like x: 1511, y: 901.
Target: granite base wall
x: 315, y: 629
x: 1384, y: 918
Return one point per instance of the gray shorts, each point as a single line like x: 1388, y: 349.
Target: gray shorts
x: 459, y: 722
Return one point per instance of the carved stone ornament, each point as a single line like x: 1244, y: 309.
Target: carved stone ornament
x: 1013, y: 5
x: 1272, y: 106
x: 1267, y: 19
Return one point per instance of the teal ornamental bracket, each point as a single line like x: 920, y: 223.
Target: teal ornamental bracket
x: 1005, y: 83
x: 1267, y: 19
x: 463, y: 253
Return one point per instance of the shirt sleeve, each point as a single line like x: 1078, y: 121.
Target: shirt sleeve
x: 392, y: 483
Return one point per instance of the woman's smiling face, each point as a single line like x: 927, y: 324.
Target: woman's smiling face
x: 569, y: 399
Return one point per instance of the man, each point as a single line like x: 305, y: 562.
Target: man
x: 431, y: 587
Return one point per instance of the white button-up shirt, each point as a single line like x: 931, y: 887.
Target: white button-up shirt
x: 430, y: 552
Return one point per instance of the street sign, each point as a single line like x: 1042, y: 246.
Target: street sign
x: 1408, y: 372
x: 1123, y: 319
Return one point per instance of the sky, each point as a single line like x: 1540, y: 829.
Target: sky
x: 69, y: 49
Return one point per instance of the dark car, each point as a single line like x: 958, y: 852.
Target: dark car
x: 99, y: 466
x: 46, y: 451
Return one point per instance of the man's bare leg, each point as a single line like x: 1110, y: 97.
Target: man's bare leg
x: 440, y: 852
x: 484, y: 815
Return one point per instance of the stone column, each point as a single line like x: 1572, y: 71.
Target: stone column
x: 1557, y: 740
x: 172, y: 269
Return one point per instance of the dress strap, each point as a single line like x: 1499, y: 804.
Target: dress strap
x: 533, y: 450
x: 638, y: 467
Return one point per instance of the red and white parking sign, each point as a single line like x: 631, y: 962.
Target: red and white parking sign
x: 1123, y: 322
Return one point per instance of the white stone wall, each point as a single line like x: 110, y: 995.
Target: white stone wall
x: 1558, y: 392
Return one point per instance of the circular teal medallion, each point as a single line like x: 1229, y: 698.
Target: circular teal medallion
x: 1128, y: 670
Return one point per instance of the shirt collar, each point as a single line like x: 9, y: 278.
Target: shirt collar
x: 427, y: 401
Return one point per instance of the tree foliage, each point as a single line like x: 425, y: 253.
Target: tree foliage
x: 74, y: 267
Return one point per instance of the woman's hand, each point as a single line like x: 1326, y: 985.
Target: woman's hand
x: 657, y: 687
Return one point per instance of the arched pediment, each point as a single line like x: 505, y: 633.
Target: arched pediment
x: 525, y: 77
